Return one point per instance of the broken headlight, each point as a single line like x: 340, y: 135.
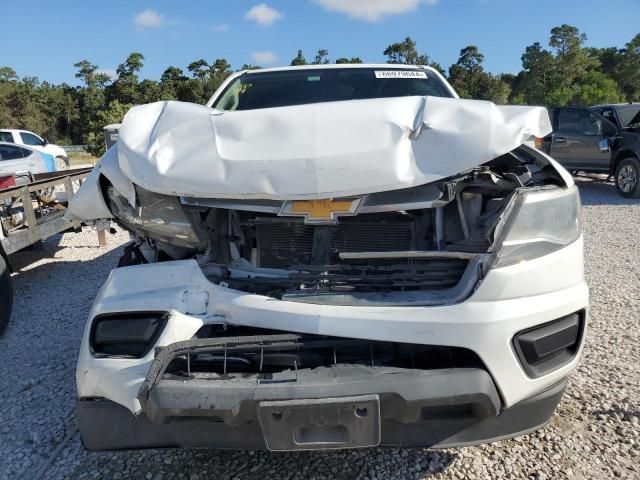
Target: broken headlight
x: 542, y: 222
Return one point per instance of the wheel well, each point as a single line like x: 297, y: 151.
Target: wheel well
x: 621, y: 156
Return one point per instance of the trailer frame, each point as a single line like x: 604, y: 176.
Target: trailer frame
x: 38, y: 228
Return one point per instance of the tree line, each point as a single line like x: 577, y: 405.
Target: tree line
x: 564, y: 72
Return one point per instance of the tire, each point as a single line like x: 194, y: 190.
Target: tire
x: 6, y: 295
x: 627, y: 177
x: 61, y: 164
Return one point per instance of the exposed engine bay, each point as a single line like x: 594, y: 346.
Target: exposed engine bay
x: 422, y: 245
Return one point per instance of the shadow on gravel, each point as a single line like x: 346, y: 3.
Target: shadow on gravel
x: 596, y: 190
x: 378, y: 463
x: 42, y: 290
x: 38, y: 351
x: 43, y: 251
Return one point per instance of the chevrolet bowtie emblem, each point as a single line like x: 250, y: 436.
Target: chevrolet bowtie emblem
x: 321, y: 211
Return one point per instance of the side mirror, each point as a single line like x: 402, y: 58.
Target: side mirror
x: 45, y: 142
x: 604, y: 146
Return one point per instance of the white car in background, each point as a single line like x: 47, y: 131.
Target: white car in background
x: 22, y: 162
x: 30, y: 139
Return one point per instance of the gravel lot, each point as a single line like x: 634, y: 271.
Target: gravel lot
x: 594, y: 434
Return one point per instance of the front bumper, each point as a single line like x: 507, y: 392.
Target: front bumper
x: 408, y: 408
x: 508, y: 300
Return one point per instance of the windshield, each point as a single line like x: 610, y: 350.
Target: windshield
x: 298, y: 87
x: 629, y: 115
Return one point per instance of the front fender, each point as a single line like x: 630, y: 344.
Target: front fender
x: 88, y: 203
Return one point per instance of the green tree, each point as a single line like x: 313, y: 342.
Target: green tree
x: 8, y: 82
x: 596, y: 88
x: 322, y: 57
x: 113, y: 113
x: 218, y: 73
x: 172, y: 82
x: 299, y: 59
x: 26, y: 106
x: 470, y: 80
x: 8, y: 74
x: 471, y: 59
x: 91, y: 98
x: 627, y: 70
x: 125, y: 88
x: 405, y: 52
x: 199, y: 69
x: 131, y: 66
x: 349, y: 60
x: 537, y: 77
x: 466, y: 73
x: 220, y: 67
x: 570, y: 64
x: 172, y: 74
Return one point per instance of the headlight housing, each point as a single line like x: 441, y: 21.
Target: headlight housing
x: 126, y: 335
x: 541, y: 222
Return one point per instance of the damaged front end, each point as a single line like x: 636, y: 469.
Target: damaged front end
x: 425, y: 245
x: 407, y: 211
x: 374, y: 290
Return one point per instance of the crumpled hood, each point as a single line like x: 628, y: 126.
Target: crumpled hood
x: 319, y: 150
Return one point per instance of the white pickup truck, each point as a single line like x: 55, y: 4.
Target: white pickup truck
x: 331, y: 257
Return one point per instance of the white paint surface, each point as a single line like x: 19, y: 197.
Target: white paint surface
x: 319, y: 150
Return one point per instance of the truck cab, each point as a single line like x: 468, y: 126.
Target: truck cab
x: 599, y: 139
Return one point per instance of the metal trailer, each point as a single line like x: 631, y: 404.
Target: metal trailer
x: 40, y: 222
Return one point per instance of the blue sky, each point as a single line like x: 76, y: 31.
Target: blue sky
x: 45, y: 38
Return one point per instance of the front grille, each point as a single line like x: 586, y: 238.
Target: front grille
x: 282, y: 244
x: 311, y: 255
x: 381, y: 275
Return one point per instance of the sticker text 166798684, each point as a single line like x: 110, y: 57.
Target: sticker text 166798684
x: 400, y: 74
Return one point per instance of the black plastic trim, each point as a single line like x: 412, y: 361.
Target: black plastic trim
x: 105, y: 425
x: 161, y: 315
x: 528, y: 344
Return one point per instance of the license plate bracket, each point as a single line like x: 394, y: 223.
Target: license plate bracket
x: 321, y: 424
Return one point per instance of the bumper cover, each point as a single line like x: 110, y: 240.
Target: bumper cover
x: 508, y: 301
x: 105, y: 425
x: 315, y: 409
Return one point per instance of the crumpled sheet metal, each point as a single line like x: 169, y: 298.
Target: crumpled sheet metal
x: 88, y: 202
x: 315, y: 151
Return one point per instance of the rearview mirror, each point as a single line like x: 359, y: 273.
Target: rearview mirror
x: 45, y: 142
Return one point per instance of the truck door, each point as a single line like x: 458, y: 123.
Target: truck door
x: 578, y: 139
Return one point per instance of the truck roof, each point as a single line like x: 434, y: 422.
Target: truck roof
x: 328, y: 66
x: 629, y: 104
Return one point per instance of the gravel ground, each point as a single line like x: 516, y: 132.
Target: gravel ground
x: 594, y: 434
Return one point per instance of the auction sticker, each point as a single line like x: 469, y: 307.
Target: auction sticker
x: 400, y: 74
